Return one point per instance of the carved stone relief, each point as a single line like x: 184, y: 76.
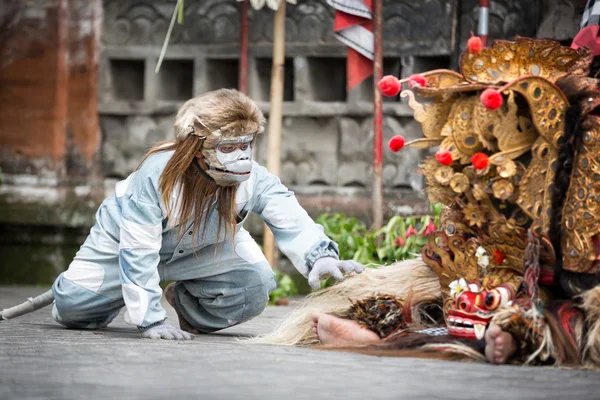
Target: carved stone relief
x: 126, y: 140
x: 507, y: 18
x: 356, y: 154
x: 308, y: 151
x: 417, y: 27
x: 560, y: 20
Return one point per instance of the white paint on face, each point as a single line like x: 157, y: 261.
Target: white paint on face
x: 238, y: 161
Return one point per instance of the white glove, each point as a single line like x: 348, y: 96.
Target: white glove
x: 167, y: 332
x: 329, y: 266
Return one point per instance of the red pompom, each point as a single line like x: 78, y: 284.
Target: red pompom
x: 480, y: 160
x: 474, y: 44
x: 497, y: 257
x: 396, y: 143
x: 416, y: 80
x: 389, y: 86
x: 491, y: 99
x: 444, y: 157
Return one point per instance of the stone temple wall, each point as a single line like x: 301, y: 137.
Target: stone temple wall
x: 62, y: 153
x: 327, y: 131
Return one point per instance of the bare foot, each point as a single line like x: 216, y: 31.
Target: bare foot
x: 500, y: 346
x: 332, y: 330
x: 169, y: 294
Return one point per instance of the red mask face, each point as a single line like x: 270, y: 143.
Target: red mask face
x: 472, y: 309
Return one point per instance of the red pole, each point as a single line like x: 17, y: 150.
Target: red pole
x: 243, y: 66
x: 377, y: 197
x: 484, y: 17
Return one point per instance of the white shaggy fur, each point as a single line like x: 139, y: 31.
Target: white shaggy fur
x: 406, y: 279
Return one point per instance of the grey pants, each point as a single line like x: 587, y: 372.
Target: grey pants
x: 216, y: 288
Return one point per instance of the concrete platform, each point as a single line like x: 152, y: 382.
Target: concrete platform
x: 41, y: 360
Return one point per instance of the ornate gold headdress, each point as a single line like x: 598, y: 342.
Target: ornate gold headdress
x: 499, y: 126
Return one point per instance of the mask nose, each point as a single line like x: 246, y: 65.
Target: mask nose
x: 240, y: 155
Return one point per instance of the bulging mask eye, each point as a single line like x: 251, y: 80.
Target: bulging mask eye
x: 244, y: 147
x: 493, y: 299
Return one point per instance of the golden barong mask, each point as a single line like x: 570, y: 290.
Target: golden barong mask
x: 499, y: 126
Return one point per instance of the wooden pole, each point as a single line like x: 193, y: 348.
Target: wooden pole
x: 377, y: 196
x: 275, y: 117
x: 484, y: 17
x: 243, y: 66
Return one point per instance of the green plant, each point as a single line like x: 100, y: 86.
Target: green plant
x: 285, y: 288
x: 399, y: 239
x: 347, y: 232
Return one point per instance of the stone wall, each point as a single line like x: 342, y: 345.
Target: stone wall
x: 327, y: 132
x: 49, y: 134
x: 79, y: 76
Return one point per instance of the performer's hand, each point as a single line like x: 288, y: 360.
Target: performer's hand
x: 329, y: 266
x: 167, y: 332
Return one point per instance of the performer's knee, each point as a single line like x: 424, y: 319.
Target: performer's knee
x: 261, y: 282
x: 250, y: 299
x: 77, y: 307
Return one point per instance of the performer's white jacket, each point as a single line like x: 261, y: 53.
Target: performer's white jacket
x: 146, y: 238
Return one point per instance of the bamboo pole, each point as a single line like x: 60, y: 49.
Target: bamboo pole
x: 377, y: 195
x: 275, y: 117
x: 243, y: 66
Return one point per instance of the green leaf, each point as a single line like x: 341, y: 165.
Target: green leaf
x: 285, y: 288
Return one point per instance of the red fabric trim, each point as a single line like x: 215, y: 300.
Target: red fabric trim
x: 358, y: 67
x: 588, y: 37
x: 596, y: 242
x: 546, y: 278
x: 569, y: 316
x: 343, y: 21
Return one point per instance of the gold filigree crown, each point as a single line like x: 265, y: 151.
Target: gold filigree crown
x: 496, y: 163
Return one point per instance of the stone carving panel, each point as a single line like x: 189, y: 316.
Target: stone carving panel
x: 126, y: 140
x: 424, y: 26
x: 400, y: 169
x: 560, y: 19
x: 418, y: 26
x: 356, y: 154
x: 310, y: 21
x: 136, y: 23
x: 508, y: 18
x: 308, y: 151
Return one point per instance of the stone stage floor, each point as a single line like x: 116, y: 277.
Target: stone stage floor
x: 41, y: 360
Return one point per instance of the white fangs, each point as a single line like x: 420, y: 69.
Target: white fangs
x: 479, y: 330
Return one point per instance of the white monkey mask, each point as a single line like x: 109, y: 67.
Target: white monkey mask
x: 230, y: 162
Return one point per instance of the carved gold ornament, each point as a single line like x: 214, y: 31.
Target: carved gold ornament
x: 507, y: 61
x: 503, y: 189
x: 443, y: 175
x: 581, y: 211
x: 489, y: 206
x: 459, y: 183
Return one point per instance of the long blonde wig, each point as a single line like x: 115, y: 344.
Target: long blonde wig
x: 199, y: 125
